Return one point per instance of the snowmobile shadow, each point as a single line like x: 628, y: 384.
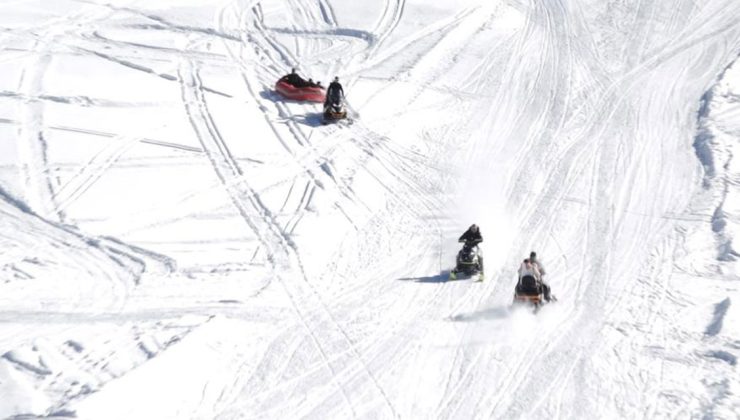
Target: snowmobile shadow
x: 439, y: 278
x: 314, y: 119
x: 499, y: 312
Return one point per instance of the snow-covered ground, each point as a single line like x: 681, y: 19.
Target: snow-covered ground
x: 177, y: 241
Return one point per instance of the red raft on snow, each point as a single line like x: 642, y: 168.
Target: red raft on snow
x: 306, y: 93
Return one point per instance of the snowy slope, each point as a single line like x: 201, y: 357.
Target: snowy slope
x: 177, y: 241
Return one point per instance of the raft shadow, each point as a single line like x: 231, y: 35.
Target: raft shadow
x: 311, y: 119
x: 273, y: 96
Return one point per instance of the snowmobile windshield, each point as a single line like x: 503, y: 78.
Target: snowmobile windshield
x: 335, y: 96
x: 471, y: 242
x: 469, y: 247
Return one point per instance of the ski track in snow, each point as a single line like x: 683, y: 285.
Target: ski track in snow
x: 308, y: 270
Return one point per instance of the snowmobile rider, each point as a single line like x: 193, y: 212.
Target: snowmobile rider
x: 538, y: 264
x: 529, y: 269
x: 334, y: 92
x: 529, y: 278
x: 473, y: 237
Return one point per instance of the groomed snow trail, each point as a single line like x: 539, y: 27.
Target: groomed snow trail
x: 177, y: 241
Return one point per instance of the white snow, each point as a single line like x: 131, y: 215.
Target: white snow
x: 177, y: 241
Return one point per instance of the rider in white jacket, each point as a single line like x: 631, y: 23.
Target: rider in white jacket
x: 529, y: 269
x: 538, y: 264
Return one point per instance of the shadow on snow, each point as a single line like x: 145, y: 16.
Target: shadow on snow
x: 311, y: 119
x: 437, y: 278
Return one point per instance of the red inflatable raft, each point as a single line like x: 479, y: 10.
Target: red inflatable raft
x: 308, y: 93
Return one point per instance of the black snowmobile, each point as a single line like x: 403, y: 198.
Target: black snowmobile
x: 334, y: 109
x: 529, y: 291
x: 469, y: 262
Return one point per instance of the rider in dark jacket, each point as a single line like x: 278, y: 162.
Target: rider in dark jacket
x: 334, y: 91
x: 471, y: 238
x: 472, y: 235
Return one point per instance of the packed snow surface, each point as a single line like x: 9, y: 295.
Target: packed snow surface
x: 178, y: 241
